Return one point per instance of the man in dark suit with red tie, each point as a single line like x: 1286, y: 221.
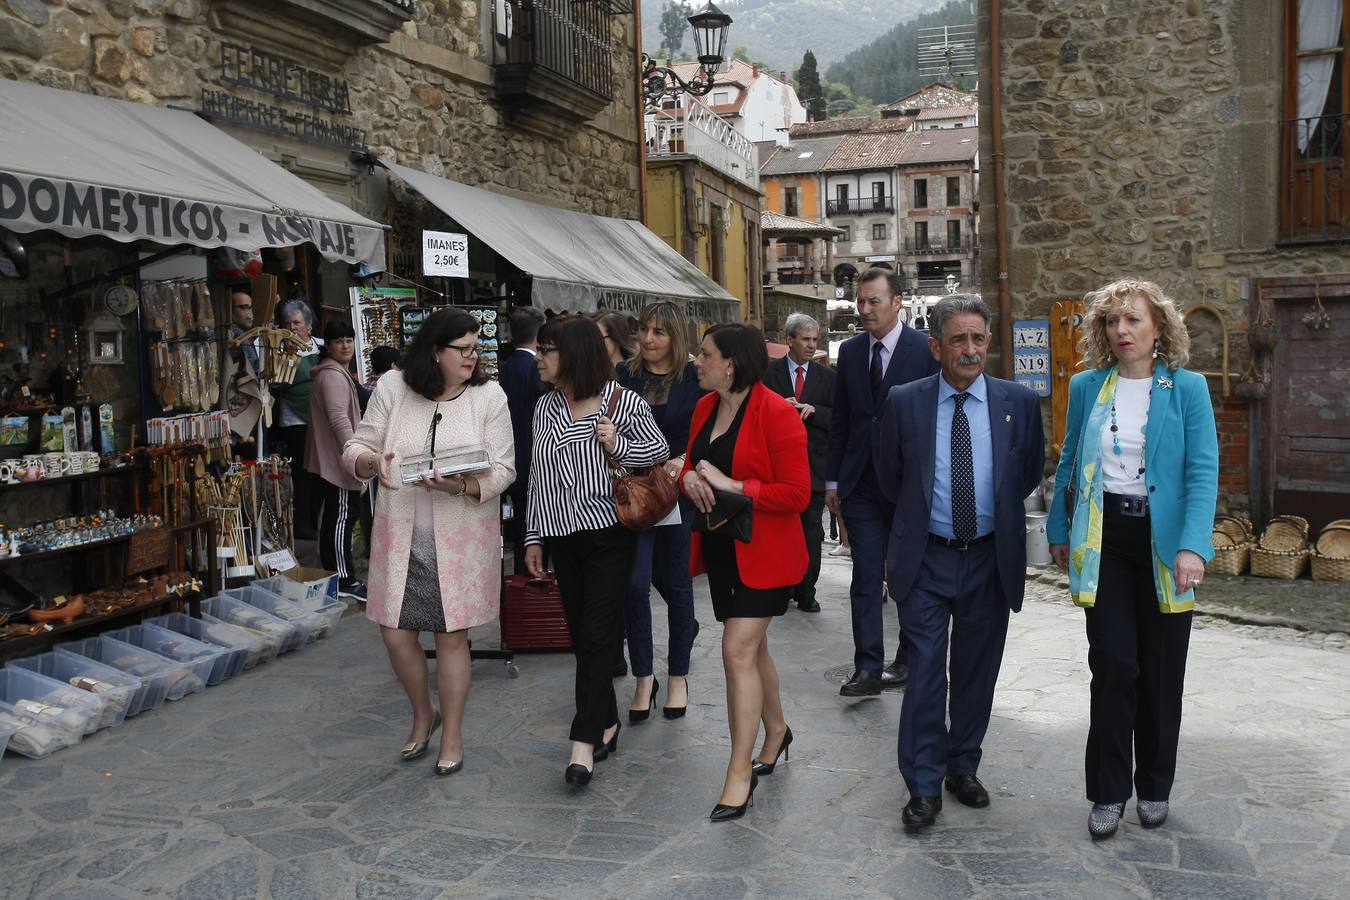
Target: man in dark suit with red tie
x: 958, y: 453
x: 809, y: 387
x: 870, y: 364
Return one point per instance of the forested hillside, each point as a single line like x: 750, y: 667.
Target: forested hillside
x: 887, y: 68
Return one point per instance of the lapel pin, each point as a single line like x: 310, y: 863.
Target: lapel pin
x: 1007, y: 418
x: 1164, y: 383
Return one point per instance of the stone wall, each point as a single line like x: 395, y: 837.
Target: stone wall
x: 424, y: 99
x: 1141, y: 139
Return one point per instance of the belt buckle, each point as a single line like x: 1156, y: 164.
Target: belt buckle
x: 1136, y: 507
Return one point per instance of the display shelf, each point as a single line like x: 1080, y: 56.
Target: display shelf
x: 12, y: 648
x: 67, y: 479
x: 12, y: 560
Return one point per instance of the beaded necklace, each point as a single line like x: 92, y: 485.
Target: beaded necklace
x: 1143, y: 432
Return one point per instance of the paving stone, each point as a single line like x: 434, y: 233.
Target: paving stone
x: 299, y: 841
x: 251, y: 821
x: 917, y: 876
x: 442, y: 856
x: 682, y: 887
x: 1009, y: 869
x: 386, y: 887
x: 318, y: 877
x: 233, y: 878
x: 1209, y: 855
x: 1167, y: 884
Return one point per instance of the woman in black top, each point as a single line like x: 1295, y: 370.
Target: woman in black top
x: 662, y: 374
x: 570, y: 509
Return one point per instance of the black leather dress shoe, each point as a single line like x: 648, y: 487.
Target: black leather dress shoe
x: 811, y: 605
x: 894, y: 676
x: 920, y: 812
x: 968, y: 790
x: 861, y: 685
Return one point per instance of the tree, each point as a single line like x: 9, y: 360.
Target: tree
x: 809, y: 89
x: 674, y: 23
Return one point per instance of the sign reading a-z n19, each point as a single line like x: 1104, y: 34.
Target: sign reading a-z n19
x: 445, y: 255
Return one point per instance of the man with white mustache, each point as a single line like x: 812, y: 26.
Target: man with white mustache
x: 957, y: 453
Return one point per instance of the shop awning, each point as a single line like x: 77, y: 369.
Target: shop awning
x: 578, y: 262
x: 82, y: 165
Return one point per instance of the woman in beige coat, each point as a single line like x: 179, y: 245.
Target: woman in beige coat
x: 436, y: 558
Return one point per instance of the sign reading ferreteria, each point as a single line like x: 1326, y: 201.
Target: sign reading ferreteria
x: 279, y: 78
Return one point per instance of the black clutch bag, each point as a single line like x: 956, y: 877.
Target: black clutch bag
x: 732, y: 516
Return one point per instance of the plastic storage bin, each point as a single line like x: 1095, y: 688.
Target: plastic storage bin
x: 62, y: 714
x: 327, y: 607
x: 116, y: 689
x: 317, y: 585
x: 27, y: 736
x: 277, y: 605
x: 6, y: 731
x: 207, y: 661
x: 267, y: 644
x: 234, y: 611
x: 237, y: 643
x: 165, y: 678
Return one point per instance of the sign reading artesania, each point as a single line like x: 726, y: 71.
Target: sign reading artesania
x: 445, y: 254
x: 32, y: 203
x: 281, y: 79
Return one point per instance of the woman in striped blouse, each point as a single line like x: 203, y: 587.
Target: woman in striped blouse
x: 570, y: 510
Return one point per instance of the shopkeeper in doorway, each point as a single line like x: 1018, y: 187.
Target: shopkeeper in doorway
x: 293, y: 413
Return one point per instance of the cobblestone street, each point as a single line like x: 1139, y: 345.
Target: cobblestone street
x: 286, y: 783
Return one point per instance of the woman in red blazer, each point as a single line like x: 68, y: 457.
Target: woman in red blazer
x: 746, y: 440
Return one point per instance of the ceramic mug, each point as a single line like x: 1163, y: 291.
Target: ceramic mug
x: 7, y: 472
x: 91, y: 460
x: 32, y: 465
x: 74, y: 462
x: 55, y: 465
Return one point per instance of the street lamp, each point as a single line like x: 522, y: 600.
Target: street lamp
x: 710, y: 26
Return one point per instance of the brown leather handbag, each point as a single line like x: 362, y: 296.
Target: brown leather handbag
x: 641, y: 499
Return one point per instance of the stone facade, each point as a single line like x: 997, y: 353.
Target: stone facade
x: 424, y: 99
x: 1142, y: 139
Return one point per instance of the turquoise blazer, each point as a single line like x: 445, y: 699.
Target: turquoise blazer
x: 1181, y: 460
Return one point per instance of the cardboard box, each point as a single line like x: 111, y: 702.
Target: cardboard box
x: 309, y: 586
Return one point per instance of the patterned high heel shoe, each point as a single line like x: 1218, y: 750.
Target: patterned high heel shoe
x: 415, y: 749
x: 724, y: 812
x: 763, y: 768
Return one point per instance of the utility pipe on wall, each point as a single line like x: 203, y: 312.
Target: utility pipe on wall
x: 1000, y: 193
x: 640, y: 102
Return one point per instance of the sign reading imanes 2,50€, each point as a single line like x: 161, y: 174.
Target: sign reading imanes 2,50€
x: 445, y: 254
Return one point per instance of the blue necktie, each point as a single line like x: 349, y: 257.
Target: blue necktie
x: 962, y: 473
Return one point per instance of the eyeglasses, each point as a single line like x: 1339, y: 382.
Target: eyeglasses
x: 465, y: 352
x: 547, y: 348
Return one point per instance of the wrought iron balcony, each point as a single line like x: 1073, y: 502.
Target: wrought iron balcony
x: 860, y: 205
x: 1315, y: 203
x: 560, y: 55
x: 936, y: 246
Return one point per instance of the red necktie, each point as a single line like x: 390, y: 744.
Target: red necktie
x: 801, y: 380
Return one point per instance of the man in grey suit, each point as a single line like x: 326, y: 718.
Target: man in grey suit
x: 809, y: 387
x: 958, y: 452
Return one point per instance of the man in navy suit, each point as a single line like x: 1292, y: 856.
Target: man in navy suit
x: 958, y: 452
x: 870, y: 364
x: 519, y: 377
x: 809, y: 387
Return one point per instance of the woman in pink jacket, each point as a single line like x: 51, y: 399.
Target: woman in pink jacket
x: 435, y: 563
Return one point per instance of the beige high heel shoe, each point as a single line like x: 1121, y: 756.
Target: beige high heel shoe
x: 415, y: 749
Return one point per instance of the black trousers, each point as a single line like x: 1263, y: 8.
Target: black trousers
x: 516, y: 530
x: 341, y: 508
x: 1137, y: 654
x: 593, y: 569
x: 813, y: 526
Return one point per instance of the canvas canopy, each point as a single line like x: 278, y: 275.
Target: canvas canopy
x: 578, y: 262
x: 82, y: 165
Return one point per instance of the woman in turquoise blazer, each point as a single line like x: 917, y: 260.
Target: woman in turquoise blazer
x: 1130, y: 521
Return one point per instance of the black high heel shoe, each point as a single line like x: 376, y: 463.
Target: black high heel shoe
x: 578, y: 774
x: 763, y: 768
x: 723, y: 812
x: 605, y: 748
x: 640, y: 715
x: 677, y: 712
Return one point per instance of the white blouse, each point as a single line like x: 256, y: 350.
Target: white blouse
x: 1132, y: 399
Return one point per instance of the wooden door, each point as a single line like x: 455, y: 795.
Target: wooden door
x: 1304, y: 424
x: 1066, y: 330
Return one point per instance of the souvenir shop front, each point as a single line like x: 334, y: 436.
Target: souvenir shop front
x: 124, y: 228
x: 452, y: 244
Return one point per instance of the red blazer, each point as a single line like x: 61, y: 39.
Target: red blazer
x: 770, y: 459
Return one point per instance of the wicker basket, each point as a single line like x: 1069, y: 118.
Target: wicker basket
x: 1286, y: 564
x: 1237, y: 529
x: 1331, y: 559
x: 1285, y: 534
x: 1230, y: 556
